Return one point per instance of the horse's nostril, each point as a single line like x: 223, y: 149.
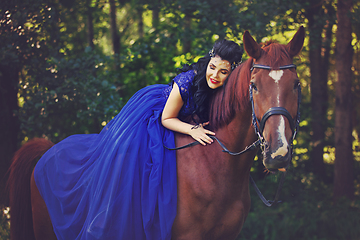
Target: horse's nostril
x: 277, y: 162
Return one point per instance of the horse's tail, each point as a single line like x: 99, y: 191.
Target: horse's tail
x: 23, y: 163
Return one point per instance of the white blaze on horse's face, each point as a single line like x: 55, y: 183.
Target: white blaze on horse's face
x: 283, y: 149
x: 276, y: 75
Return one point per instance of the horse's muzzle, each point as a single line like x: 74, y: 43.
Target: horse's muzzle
x: 274, y: 162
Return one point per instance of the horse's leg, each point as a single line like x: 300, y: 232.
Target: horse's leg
x: 43, y: 228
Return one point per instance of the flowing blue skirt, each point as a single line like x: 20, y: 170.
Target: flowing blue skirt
x: 118, y: 184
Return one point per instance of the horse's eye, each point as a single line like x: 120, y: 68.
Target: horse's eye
x: 253, y: 86
x: 297, y: 84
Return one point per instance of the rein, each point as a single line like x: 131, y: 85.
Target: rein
x: 248, y: 148
x: 259, y: 128
x: 253, y: 146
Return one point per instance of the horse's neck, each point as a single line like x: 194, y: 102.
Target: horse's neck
x: 236, y: 136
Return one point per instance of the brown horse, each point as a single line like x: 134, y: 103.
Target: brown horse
x: 213, y: 186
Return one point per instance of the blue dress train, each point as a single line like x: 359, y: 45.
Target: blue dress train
x: 122, y: 182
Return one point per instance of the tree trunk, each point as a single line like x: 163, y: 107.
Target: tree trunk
x: 187, y: 34
x: 90, y: 26
x: 155, y: 17
x: 344, y: 163
x: 318, y: 86
x: 9, y: 124
x: 140, y: 21
x: 114, y: 30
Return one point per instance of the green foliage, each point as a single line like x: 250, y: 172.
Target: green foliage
x: 4, y: 224
x: 306, y: 212
x: 72, y: 95
x: 150, y: 62
x: 66, y: 87
x: 28, y: 32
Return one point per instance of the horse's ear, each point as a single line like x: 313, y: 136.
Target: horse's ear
x: 252, y: 48
x: 297, y: 42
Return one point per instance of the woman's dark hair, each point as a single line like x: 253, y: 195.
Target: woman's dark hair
x: 202, y: 93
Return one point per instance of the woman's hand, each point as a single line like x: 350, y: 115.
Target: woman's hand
x: 200, y: 134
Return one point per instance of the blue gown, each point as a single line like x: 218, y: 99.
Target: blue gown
x: 122, y: 182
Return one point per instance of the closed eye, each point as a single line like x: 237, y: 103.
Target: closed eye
x: 222, y: 71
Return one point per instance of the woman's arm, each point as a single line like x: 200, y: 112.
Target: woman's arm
x: 171, y: 121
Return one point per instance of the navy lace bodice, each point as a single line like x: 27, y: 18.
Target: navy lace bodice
x: 184, y: 81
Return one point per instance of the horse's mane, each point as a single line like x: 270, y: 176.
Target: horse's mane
x: 234, y: 96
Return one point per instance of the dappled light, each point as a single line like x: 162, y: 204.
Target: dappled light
x: 329, y: 155
x: 69, y: 67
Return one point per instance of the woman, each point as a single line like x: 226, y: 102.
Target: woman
x: 121, y: 183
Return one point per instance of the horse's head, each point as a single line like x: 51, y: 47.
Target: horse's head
x: 275, y: 94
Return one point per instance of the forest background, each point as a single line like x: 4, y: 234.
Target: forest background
x: 67, y: 67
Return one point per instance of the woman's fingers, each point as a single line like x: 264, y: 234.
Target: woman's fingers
x: 200, y: 134
x: 207, y: 139
x: 209, y: 132
x: 201, y: 142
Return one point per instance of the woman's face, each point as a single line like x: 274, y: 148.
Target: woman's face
x: 217, y: 71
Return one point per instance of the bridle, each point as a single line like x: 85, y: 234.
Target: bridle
x: 260, y: 125
x: 259, y: 128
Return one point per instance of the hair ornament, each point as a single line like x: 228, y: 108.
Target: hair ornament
x: 212, y: 53
x: 233, y: 65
